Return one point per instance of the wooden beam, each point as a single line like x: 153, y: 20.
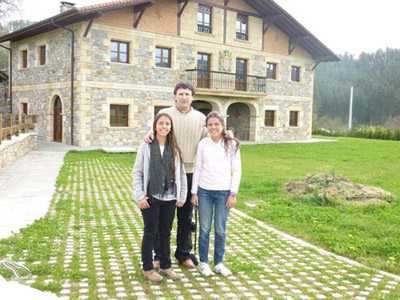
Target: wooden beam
x: 138, y: 12
x: 225, y: 18
x: 180, y: 12
x: 272, y: 19
x: 90, y: 24
x: 313, y: 68
x: 293, y: 42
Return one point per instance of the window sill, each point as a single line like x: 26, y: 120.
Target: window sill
x: 242, y: 41
x: 119, y: 63
x: 166, y: 68
x: 204, y: 34
x: 119, y: 127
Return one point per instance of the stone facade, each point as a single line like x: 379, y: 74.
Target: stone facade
x: 17, y: 147
x: 139, y: 84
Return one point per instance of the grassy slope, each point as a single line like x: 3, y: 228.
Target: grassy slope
x: 369, y: 234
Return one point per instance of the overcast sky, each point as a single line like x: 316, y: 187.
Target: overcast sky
x: 342, y: 25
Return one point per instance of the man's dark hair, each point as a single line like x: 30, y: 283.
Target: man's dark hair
x: 184, y: 85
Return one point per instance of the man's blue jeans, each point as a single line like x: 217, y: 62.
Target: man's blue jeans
x: 212, y: 202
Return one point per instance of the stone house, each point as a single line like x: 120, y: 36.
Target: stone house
x: 249, y: 60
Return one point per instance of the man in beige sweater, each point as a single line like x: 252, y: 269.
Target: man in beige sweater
x: 189, y: 128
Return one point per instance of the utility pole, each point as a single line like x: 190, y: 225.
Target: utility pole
x: 351, y: 108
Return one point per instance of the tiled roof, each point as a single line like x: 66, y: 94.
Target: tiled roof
x: 267, y: 9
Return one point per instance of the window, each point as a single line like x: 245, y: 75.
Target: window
x: 270, y: 118
x: 158, y: 108
x: 163, y: 57
x: 25, y: 108
x: 241, y: 74
x: 118, y: 115
x: 295, y: 74
x: 25, y: 59
x: 271, y: 70
x: 119, y: 51
x: 241, y: 27
x: 42, y: 55
x: 203, y: 67
x: 293, y: 120
x: 204, y: 18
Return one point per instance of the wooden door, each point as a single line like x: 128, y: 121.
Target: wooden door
x: 203, y: 73
x: 57, y: 120
x: 241, y: 74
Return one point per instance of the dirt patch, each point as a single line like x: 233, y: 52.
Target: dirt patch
x: 336, y: 186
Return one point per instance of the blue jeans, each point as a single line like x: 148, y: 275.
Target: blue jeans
x: 209, y: 202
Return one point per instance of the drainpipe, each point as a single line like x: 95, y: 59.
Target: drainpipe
x: 10, y: 77
x: 72, y: 76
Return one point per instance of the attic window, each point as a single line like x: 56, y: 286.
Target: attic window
x: 241, y: 27
x: 204, y: 18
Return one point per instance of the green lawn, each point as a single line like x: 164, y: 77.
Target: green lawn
x: 369, y: 234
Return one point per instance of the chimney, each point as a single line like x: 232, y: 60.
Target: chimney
x: 66, y: 6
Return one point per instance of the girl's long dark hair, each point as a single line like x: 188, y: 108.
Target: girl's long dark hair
x: 171, y: 140
x: 227, y: 140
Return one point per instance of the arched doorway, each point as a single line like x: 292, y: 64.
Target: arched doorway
x: 57, y: 120
x: 202, y: 106
x: 239, y: 120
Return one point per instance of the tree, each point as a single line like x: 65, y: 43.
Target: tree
x: 8, y: 6
x: 375, y: 77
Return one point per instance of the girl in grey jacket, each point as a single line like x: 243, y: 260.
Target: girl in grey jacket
x: 159, y: 185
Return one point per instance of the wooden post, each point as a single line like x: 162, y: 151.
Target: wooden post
x: 1, y: 128
x: 23, y: 120
x: 9, y: 125
x: 16, y: 125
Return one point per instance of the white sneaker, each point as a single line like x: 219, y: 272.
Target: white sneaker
x: 221, y: 269
x: 205, y: 269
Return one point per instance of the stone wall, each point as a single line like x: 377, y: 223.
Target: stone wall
x: 141, y: 85
x: 17, y: 147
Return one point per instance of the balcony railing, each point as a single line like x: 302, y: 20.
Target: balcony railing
x: 226, y: 81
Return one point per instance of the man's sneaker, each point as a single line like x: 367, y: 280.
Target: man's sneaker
x: 221, y: 269
x: 152, y: 275
x: 170, y: 274
x: 205, y: 269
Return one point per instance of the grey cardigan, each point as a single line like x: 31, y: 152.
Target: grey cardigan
x: 141, y: 178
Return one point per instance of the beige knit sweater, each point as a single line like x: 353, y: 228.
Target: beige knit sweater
x: 189, y: 129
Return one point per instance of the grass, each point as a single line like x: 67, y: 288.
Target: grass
x: 89, y: 242
x: 368, y: 234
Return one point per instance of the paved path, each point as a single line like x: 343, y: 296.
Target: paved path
x: 100, y: 248
x: 27, y: 186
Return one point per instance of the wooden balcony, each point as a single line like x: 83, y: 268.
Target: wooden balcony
x: 214, y: 80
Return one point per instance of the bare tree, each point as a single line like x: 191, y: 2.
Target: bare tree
x: 8, y: 6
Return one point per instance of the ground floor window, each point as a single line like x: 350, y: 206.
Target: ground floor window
x: 158, y: 108
x: 119, y: 115
x: 269, y: 118
x: 294, y: 118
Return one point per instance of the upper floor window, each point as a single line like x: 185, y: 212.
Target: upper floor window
x: 119, y: 115
x: 119, y: 51
x: 204, y: 18
x: 242, y: 27
x: 42, y: 55
x: 271, y: 70
x: 269, y: 118
x: 293, y: 119
x: 163, y: 57
x: 295, y: 73
x: 24, y: 58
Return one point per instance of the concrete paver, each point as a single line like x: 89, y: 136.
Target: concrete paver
x: 109, y: 225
